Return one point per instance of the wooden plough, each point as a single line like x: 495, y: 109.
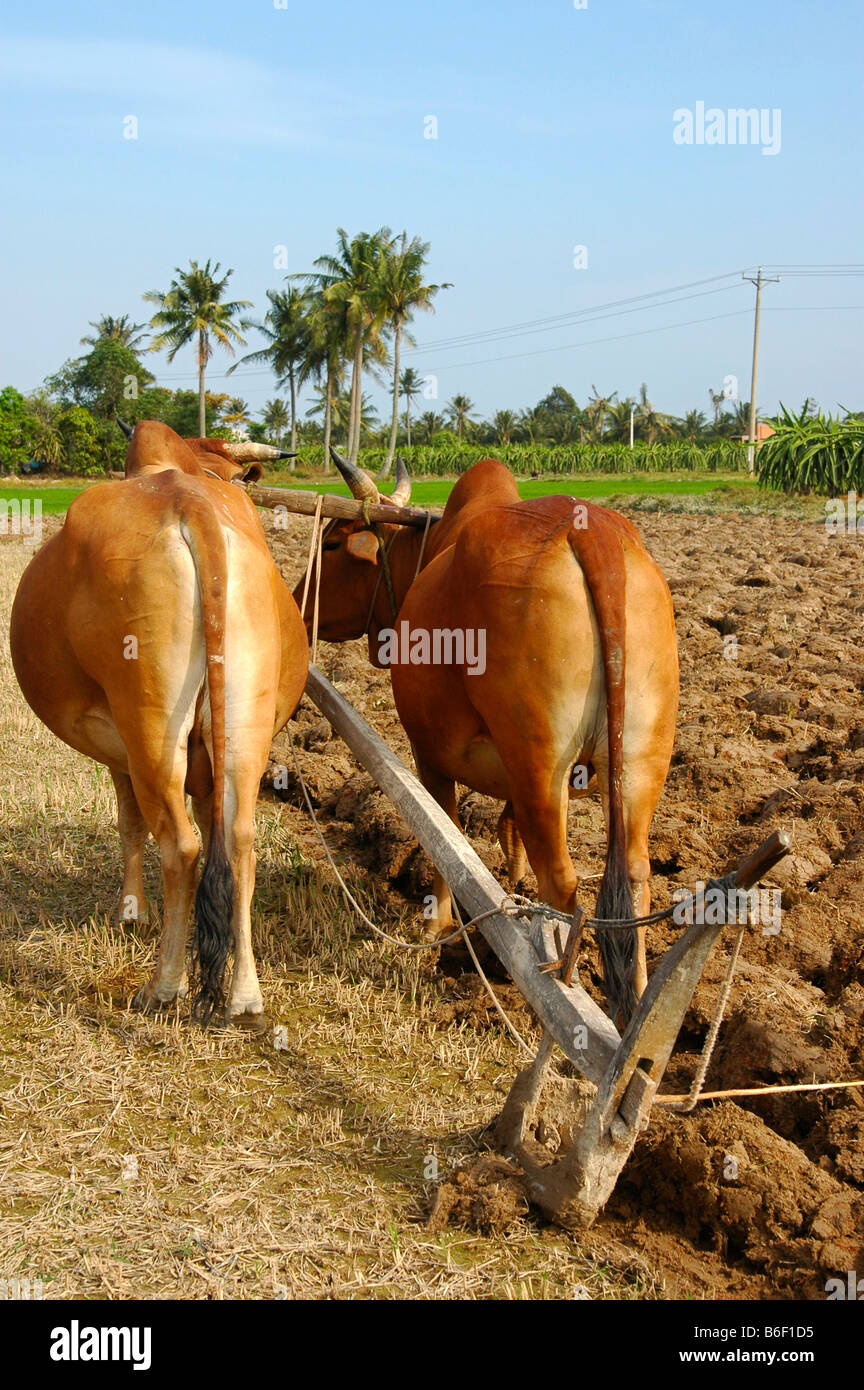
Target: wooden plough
x: 625, y: 1070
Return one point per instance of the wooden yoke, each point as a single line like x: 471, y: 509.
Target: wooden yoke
x: 338, y: 508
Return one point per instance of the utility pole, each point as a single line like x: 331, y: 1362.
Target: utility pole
x: 632, y: 411
x: 751, y: 432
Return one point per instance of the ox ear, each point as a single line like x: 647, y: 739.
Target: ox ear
x: 250, y: 474
x: 363, y: 546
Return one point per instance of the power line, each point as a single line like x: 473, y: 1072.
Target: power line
x: 565, y: 319
x: 590, y: 342
x: 447, y: 343
x: 592, y: 318
x: 593, y: 314
x: 566, y: 347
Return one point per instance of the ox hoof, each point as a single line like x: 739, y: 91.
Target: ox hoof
x: 253, y: 1023
x: 131, y: 923
x: 433, y: 933
x: 150, y: 1000
x: 134, y: 911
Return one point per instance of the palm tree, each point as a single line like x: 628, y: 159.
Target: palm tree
x: 597, y: 410
x: 122, y: 331
x: 618, y: 420
x: 737, y: 422
x: 653, y: 421
x: 351, y: 284
x: 192, y: 308
x: 275, y: 418
x: 402, y: 293
x: 286, y: 328
x: 693, y: 424
x: 460, y: 411
x: 429, y: 423
x: 533, y: 421
x: 325, y: 357
x: 718, y: 400
x: 410, y: 385
x: 341, y: 407
x: 504, y: 425
x: 236, y: 414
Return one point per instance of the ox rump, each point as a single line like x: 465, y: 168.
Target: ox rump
x: 580, y: 667
x: 154, y: 634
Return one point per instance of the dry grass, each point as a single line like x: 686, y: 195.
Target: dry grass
x: 262, y: 1172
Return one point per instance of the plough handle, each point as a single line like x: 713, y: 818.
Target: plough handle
x: 757, y: 864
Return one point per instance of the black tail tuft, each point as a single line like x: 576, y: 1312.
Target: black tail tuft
x: 617, y: 948
x: 214, y: 909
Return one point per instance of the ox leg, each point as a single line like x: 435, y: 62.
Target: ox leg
x: 444, y: 791
x: 511, y: 843
x: 542, y: 823
x: 133, y: 836
x: 642, y: 786
x: 202, y: 809
x: 179, y: 850
x: 245, y: 1003
x: 641, y: 793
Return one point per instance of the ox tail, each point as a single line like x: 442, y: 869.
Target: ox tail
x: 214, y: 900
x: 600, y: 553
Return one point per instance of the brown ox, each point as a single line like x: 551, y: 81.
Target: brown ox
x: 581, y: 670
x: 154, y: 634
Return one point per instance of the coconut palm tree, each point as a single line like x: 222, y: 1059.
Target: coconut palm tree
x: 341, y: 407
x: 718, y: 400
x: 120, y: 330
x: 193, y: 309
x: 617, y: 420
x: 286, y: 328
x: 460, y: 412
x: 737, y: 421
x: 597, y: 409
x: 325, y: 357
x: 429, y: 423
x: 410, y: 385
x: 693, y: 424
x: 236, y: 414
x: 533, y: 421
x: 652, y: 421
x: 351, y: 284
x: 504, y: 424
x: 275, y: 418
x: 402, y: 293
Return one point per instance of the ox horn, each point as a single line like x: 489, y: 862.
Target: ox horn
x: 244, y: 451
x: 360, y: 483
x: 128, y: 430
x: 402, y: 491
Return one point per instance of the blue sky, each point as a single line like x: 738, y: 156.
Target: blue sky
x: 261, y: 126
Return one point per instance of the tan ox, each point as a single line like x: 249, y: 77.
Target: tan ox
x: 154, y: 634
x: 579, y: 671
